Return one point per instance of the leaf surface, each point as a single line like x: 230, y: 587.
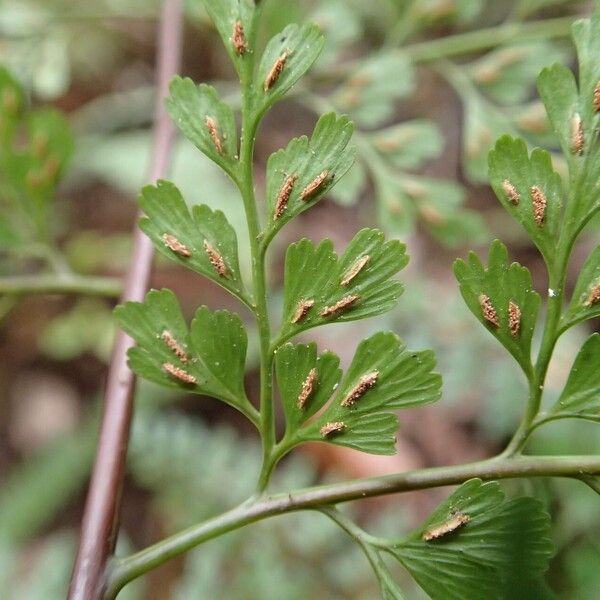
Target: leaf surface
x: 500, y: 542
x: 502, y: 298
x: 315, y: 275
x: 205, y: 120
x: 585, y: 302
x: 295, y: 48
x: 581, y: 394
x: 512, y: 168
x: 398, y: 378
x: 194, y: 239
x: 212, y: 352
x: 303, y: 161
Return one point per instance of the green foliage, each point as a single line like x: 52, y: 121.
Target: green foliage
x: 317, y: 281
x: 581, y: 394
x: 292, y: 170
x: 584, y: 304
x: 448, y: 559
x: 513, y: 171
x: 205, y: 120
x: 296, y: 48
x: 502, y: 298
x: 204, y: 234
x: 35, y: 147
x: 396, y: 378
x: 208, y: 359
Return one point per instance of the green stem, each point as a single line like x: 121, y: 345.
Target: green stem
x: 61, y: 284
x: 483, y: 39
x: 250, y: 123
x: 125, y: 570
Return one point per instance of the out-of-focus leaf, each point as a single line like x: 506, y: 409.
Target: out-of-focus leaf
x: 35, y: 492
x: 581, y: 394
x: 87, y: 327
x: 530, y: 190
x: 483, y: 124
x: 502, y: 298
x: 383, y: 376
x: 225, y: 14
x: 369, y: 94
x: 322, y: 288
x: 507, y: 72
x: 205, y: 120
x: 585, y: 302
x: 293, y: 171
x: 200, y: 239
x: 287, y: 57
x: 11, y: 105
x: 433, y: 12
x: 347, y: 190
x: 409, y: 145
x: 208, y: 360
x: 448, y: 559
x: 341, y: 26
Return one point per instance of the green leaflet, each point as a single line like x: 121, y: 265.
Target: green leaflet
x: 530, y: 190
x: 501, y: 546
x: 558, y: 89
x: 581, y: 394
x: 369, y: 94
x: 383, y: 376
x: 11, y: 105
x: 409, y: 145
x: 205, y: 120
x: 294, y: 366
x: 200, y: 239
x: 502, y: 298
x: 209, y: 359
x: 301, y: 164
x: 287, y: 57
x: 355, y: 286
x: 585, y: 302
x: 506, y: 73
x: 225, y: 14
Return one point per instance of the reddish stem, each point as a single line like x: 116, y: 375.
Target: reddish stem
x: 99, y: 526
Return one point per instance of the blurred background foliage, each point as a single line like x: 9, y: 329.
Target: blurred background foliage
x: 74, y: 147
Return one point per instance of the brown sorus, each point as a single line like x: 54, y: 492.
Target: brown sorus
x: 488, y: 311
x: 178, y: 373
x: 511, y: 192
x: 216, y: 260
x: 173, y: 345
x: 514, y: 318
x: 211, y: 125
x: 307, y: 388
x: 355, y: 269
x: 538, y: 200
x: 172, y: 243
x: 314, y: 185
x: 284, y: 195
x: 593, y: 295
x: 332, y: 427
x: 596, y: 99
x: 238, y: 38
x: 303, y: 307
x: 452, y: 524
x: 577, y: 135
x: 339, y: 306
x: 275, y: 72
x: 365, y: 383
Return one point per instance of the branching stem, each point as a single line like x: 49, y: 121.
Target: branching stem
x: 124, y: 570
